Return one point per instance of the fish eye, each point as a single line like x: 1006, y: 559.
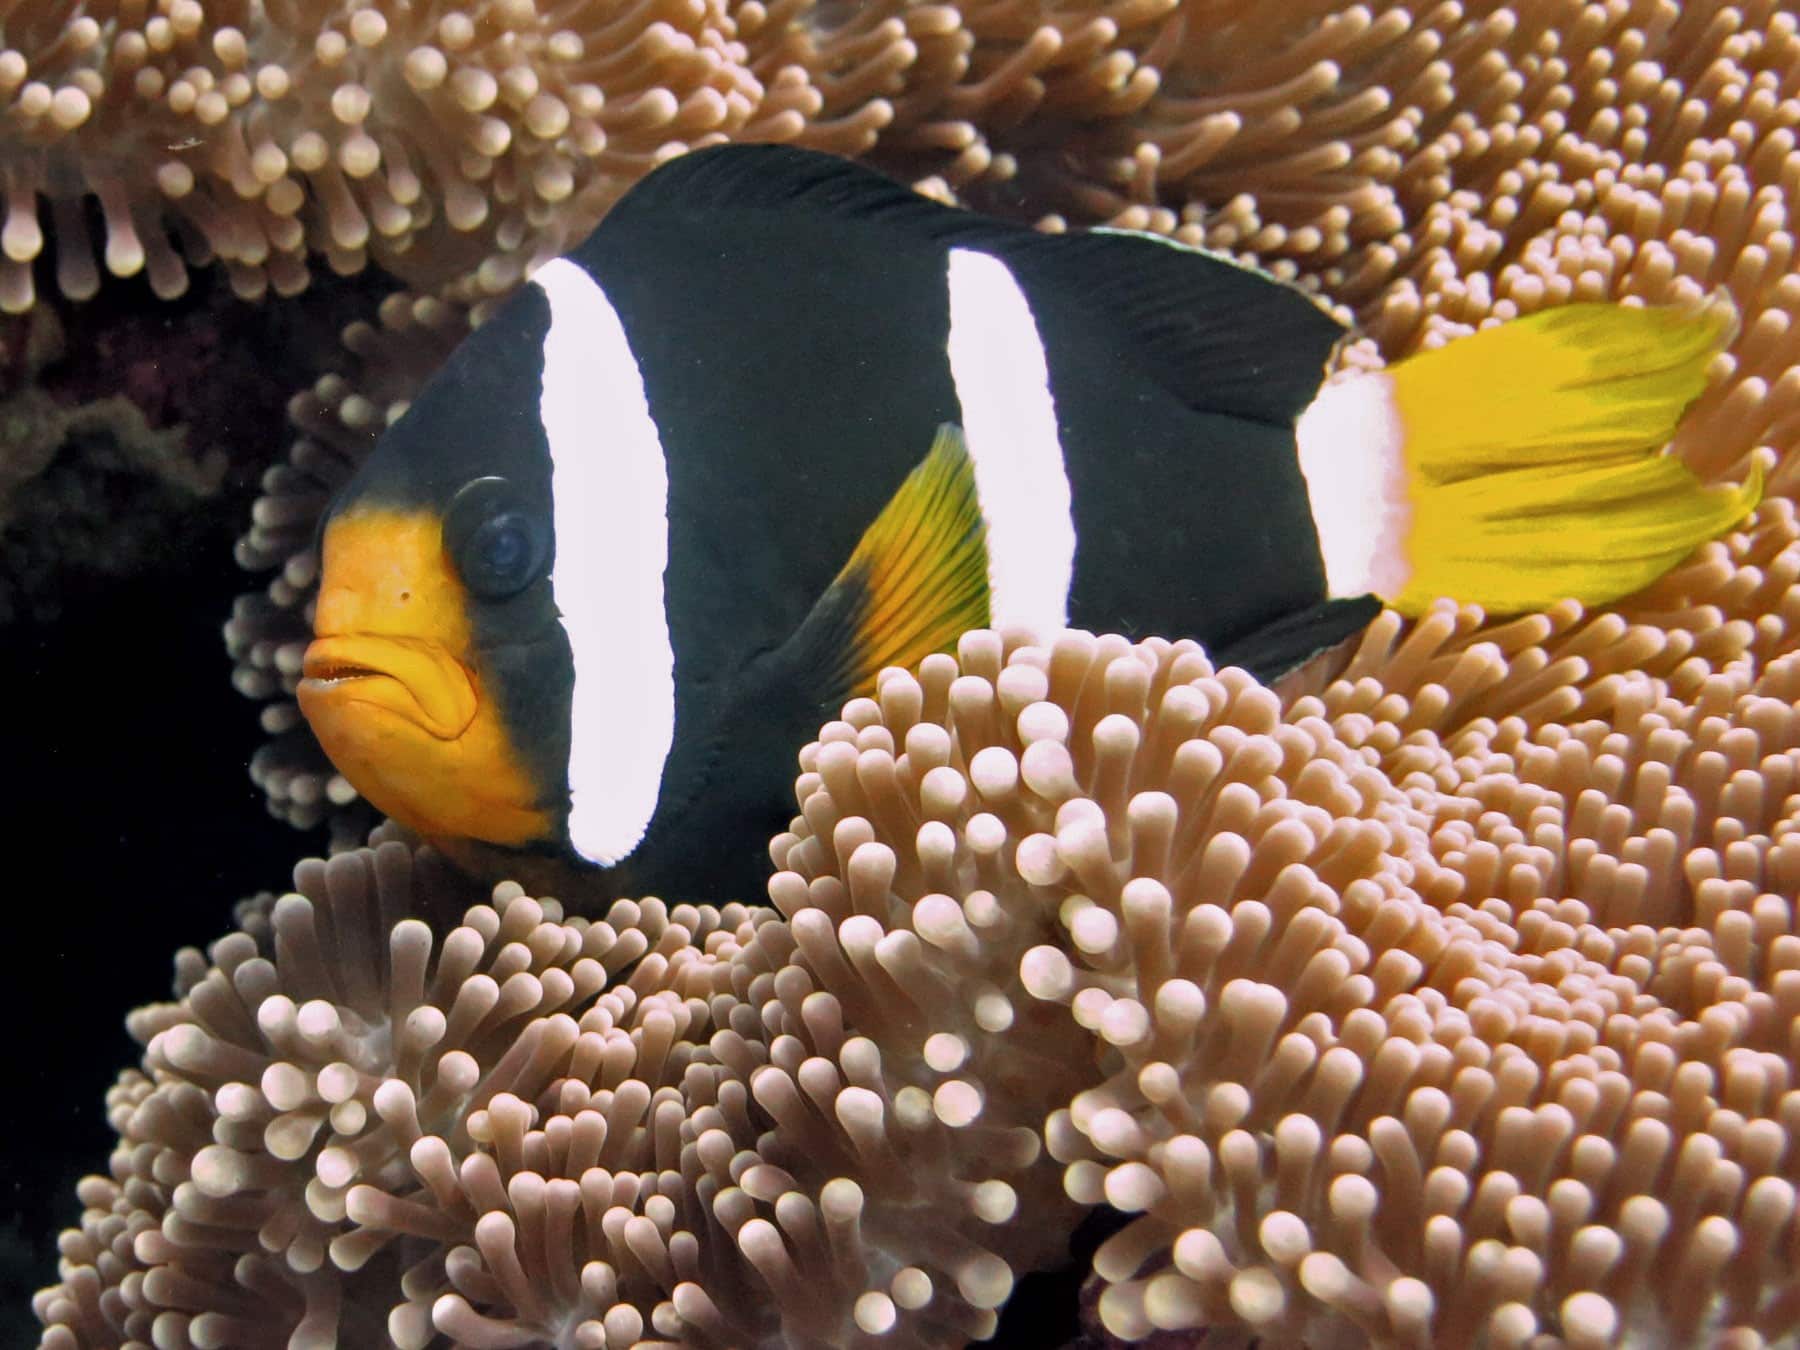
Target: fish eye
x: 502, y: 547
x: 498, y: 543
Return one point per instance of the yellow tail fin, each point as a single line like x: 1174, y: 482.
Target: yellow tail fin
x: 1534, y: 457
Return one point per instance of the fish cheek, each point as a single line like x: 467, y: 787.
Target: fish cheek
x: 391, y: 763
x: 471, y: 786
x: 528, y: 683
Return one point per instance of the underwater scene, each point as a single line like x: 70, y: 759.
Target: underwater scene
x: 866, y: 673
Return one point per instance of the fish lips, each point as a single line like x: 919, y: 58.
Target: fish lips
x: 413, y: 679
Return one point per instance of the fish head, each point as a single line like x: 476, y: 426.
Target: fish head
x: 438, y: 677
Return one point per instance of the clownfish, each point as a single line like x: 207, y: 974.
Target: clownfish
x: 780, y: 422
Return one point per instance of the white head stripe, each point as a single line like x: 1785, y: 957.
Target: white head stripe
x: 1351, y: 456
x: 610, y: 489
x: 1009, y: 423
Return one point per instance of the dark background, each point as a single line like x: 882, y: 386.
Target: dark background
x: 131, y: 828
x: 129, y: 822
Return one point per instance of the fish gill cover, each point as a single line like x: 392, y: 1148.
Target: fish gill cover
x: 1450, y: 1000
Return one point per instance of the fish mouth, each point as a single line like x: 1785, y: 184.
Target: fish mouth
x: 414, y: 679
x: 411, y: 728
x: 327, y: 672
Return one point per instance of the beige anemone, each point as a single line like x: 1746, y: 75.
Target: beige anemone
x: 1424, y: 1008
x: 1529, y: 1014
x: 1431, y: 1040
x: 382, y: 1113
x: 459, y: 145
x: 449, y: 144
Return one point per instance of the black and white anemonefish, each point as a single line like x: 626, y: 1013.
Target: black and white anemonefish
x: 780, y: 422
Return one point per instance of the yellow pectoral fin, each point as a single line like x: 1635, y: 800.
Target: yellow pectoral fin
x: 922, y: 564
x: 916, y: 582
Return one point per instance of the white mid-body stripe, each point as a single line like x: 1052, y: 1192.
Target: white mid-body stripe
x: 1009, y: 423
x: 610, y: 493
x: 1352, y: 458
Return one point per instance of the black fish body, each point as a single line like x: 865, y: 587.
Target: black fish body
x: 776, y: 423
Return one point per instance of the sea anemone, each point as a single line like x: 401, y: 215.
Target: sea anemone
x: 310, y: 1053
x: 374, y: 1115
x: 1446, y: 995
x: 453, y: 144
x: 1474, y: 1038
x: 460, y: 145
x: 1428, y: 1009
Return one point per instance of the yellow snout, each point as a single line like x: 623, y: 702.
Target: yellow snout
x: 392, y: 692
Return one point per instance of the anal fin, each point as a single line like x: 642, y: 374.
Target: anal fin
x: 916, y: 582
x: 1281, y: 647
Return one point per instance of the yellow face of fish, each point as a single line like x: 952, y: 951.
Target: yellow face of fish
x: 394, y: 689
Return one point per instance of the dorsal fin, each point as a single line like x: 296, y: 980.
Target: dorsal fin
x: 778, y: 177
x: 1221, y: 337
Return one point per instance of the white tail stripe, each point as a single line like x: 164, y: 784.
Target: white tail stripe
x: 610, y: 491
x: 1352, y: 458
x: 1009, y: 424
